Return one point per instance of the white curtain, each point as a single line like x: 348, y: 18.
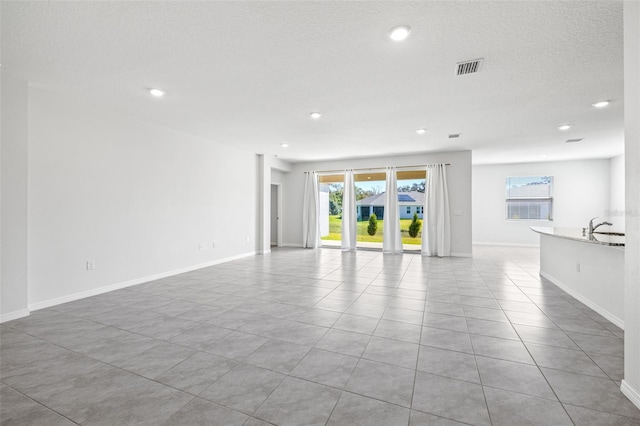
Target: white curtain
x: 349, y: 218
x: 436, y: 226
x: 311, y: 212
x: 392, y: 239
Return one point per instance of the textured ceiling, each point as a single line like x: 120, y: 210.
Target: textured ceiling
x: 249, y: 73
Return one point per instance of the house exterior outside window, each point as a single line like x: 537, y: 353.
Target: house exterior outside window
x: 529, y: 198
x: 406, y: 202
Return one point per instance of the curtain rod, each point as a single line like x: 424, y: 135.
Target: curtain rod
x: 373, y: 168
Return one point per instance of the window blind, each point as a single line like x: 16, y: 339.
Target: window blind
x: 529, y: 198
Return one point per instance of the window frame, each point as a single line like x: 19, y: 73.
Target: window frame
x: 549, y: 199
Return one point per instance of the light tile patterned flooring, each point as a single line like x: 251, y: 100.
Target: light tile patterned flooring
x: 305, y: 337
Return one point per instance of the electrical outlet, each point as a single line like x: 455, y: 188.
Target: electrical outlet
x: 91, y: 265
x: 248, y: 239
x: 577, y: 267
x: 201, y: 246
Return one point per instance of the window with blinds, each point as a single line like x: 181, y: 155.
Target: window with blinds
x: 529, y: 198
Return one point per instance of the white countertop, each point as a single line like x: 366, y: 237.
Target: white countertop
x: 576, y: 234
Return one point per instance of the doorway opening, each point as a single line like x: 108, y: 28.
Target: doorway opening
x: 370, y: 189
x: 331, y: 188
x: 411, y: 192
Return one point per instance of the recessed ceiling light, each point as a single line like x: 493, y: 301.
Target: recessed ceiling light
x: 284, y: 145
x: 157, y: 92
x: 315, y: 115
x: 601, y: 104
x: 544, y: 155
x: 421, y: 131
x: 399, y: 33
x: 564, y: 127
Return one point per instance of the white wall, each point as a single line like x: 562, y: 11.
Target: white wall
x: 274, y: 215
x: 279, y: 170
x: 616, y: 197
x: 581, y: 191
x: 278, y: 177
x: 14, y: 134
x: 137, y: 198
x: 459, y: 180
x: 631, y: 382
x: 269, y: 166
x: 598, y: 282
x: 263, y: 207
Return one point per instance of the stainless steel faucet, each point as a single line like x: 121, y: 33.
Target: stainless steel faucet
x: 593, y: 228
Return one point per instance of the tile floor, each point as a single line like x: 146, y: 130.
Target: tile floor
x: 305, y: 337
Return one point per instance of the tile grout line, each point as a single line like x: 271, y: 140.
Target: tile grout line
x: 540, y: 369
x: 293, y: 319
x: 484, y: 395
x: 415, y: 372
x: 536, y: 363
x: 110, y: 365
x: 40, y: 403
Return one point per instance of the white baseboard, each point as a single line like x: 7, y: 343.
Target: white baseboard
x: 117, y: 286
x: 599, y: 309
x: 461, y: 255
x: 450, y: 255
x: 264, y: 251
x: 631, y: 393
x: 14, y: 315
x: 483, y: 243
x: 359, y: 248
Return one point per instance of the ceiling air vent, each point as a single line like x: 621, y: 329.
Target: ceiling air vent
x: 573, y: 140
x: 469, y: 67
x: 454, y: 135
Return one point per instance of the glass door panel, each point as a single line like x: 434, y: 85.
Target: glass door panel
x: 370, y: 189
x: 411, y: 201
x: 331, y: 191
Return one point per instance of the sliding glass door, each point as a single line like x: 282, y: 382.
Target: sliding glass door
x: 331, y: 190
x: 411, y: 192
x: 370, y: 189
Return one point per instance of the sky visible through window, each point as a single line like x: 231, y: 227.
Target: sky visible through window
x: 516, y: 182
x: 369, y: 185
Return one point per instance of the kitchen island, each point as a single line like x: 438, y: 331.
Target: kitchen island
x: 590, y: 267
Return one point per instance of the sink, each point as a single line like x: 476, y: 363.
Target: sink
x: 615, y: 234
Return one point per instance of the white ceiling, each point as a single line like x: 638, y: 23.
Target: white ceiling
x: 249, y: 73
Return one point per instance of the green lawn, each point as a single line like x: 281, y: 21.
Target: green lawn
x: 335, y: 230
